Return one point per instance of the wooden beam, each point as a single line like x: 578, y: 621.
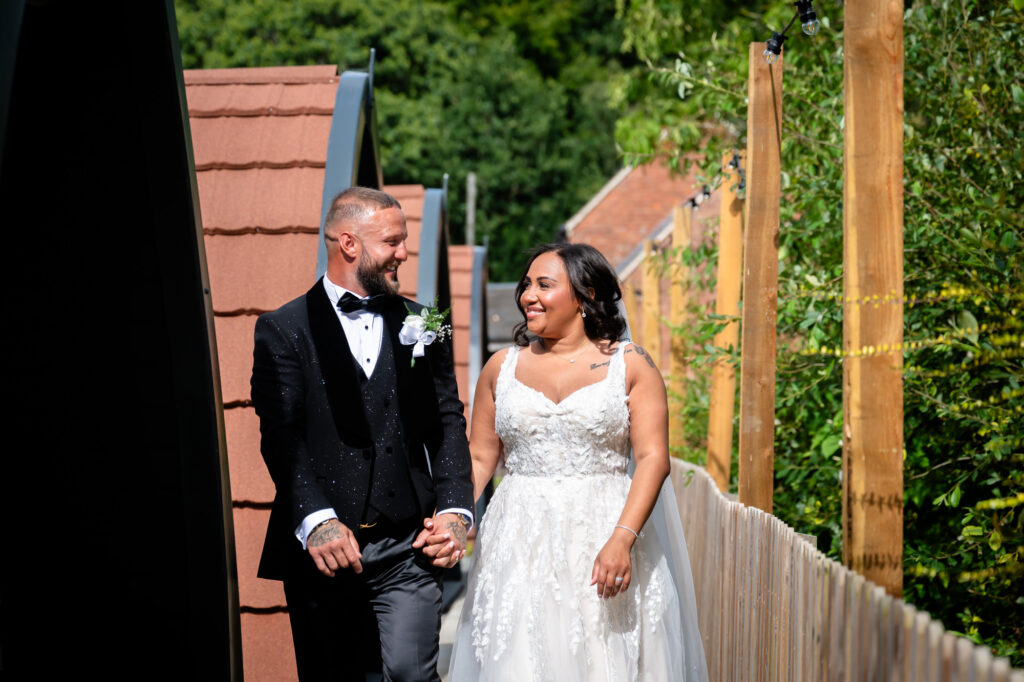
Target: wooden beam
x: 760, y: 281
x: 632, y: 316
x: 727, y: 303
x: 679, y: 299
x: 873, y: 266
x: 652, y: 302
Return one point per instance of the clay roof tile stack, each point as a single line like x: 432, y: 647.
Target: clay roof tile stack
x: 260, y: 143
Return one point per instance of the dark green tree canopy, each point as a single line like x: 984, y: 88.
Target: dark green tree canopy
x: 521, y: 93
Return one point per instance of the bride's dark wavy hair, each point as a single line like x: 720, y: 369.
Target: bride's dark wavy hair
x: 587, y: 269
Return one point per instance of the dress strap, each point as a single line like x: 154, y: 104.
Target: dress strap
x: 508, y: 369
x: 618, y: 365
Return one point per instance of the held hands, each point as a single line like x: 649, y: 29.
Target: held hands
x: 443, y: 539
x: 613, y: 561
x: 333, y: 546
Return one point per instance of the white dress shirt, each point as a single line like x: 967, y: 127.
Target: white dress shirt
x: 363, y: 331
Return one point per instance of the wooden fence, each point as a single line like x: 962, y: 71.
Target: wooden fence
x: 772, y: 607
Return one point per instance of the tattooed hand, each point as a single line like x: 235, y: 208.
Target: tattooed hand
x: 332, y: 547
x: 443, y: 538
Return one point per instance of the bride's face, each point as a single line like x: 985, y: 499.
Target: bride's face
x: 548, y: 299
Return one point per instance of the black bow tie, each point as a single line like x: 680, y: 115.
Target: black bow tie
x: 351, y: 303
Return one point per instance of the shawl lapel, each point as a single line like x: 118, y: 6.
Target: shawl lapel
x: 338, y: 368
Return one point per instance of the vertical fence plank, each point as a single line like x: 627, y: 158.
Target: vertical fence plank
x: 760, y: 281
x: 926, y: 660
x: 652, y: 302
x: 873, y: 292
x: 772, y: 607
x: 679, y: 301
x: 728, y: 277
x: 981, y: 665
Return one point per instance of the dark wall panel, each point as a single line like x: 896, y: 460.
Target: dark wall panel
x: 117, y: 553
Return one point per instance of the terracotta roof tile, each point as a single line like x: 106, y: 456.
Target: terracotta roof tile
x: 267, y: 199
x: 268, y: 654
x: 461, y: 282
x: 234, y: 355
x: 401, y: 192
x: 460, y: 258
x: 259, y: 271
x: 250, y: 531
x: 407, y: 276
x: 260, y: 141
x: 250, y: 480
x: 460, y: 308
x: 323, y: 73
x: 411, y: 198
x: 460, y: 268
x: 260, y: 100
x: 270, y: 141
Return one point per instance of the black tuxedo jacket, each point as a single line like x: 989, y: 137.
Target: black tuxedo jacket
x: 315, y: 438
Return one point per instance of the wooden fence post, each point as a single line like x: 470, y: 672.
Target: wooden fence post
x: 760, y: 281
x: 873, y: 292
x: 727, y: 302
x: 679, y: 298
x: 632, y: 318
x: 652, y: 302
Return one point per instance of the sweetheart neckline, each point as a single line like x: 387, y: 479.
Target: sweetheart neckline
x: 564, y: 398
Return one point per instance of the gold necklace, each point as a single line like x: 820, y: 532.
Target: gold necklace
x: 569, y: 360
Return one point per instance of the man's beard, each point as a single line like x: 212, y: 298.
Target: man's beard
x: 374, y: 278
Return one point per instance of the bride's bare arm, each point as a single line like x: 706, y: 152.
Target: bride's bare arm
x: 484, y: 444
x: 648, y: 430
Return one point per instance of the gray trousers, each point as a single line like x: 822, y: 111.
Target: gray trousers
x: 385, y: 619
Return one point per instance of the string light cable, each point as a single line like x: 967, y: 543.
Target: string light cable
x: 809, y: 24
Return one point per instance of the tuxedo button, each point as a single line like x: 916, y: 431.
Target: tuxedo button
x: 386, y: 403
x: 391, y: 493
x: 388, y: 449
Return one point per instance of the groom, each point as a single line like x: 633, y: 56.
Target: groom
x: 363, y: 446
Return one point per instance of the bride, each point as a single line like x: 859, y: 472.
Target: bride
x: 569, y: 583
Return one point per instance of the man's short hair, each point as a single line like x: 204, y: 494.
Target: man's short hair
x: 356, y: 204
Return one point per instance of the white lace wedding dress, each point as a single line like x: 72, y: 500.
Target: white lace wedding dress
x: 530, y: 612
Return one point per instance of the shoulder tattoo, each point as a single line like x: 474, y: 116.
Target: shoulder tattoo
x: 642, y: 353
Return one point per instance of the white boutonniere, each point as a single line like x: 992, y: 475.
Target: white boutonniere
x: 422, y: 329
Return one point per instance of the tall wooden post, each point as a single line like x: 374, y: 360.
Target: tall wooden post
x: 760, y: 281
x: 632, y: 316
x: 652, y: 303
x: 679, y: 300
x: 873, y: 267
x: 727, y: 303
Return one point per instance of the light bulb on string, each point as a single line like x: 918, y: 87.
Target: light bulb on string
x: 808, y: 21
x: 773, y: 47
x: 808, y: 18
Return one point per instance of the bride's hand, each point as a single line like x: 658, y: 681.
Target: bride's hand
x: 613, y: 562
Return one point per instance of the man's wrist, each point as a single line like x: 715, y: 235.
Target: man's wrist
x: 463, y: 514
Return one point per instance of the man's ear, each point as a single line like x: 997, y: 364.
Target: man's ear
x: 349, y: 245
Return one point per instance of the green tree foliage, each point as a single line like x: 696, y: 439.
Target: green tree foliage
x: 521, y: 93
x: 964, y: 224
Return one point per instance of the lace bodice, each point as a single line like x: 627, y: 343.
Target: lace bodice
x: 585, y: 434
